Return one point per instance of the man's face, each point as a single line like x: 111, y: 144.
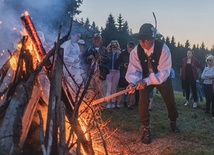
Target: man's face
x: 97, y: 41
x: 129, y: 49
x: 146, y: 44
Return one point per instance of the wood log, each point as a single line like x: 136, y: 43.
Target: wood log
x: 29, y: 114
x: 11, y: 121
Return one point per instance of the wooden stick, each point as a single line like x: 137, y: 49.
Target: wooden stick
x: 95, y: 102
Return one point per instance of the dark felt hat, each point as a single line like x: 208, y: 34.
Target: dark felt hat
x: 146, y: 32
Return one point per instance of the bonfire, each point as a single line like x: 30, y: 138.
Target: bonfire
x: 70, y: 121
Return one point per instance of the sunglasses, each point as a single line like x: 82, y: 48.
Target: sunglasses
x: 209, y: 60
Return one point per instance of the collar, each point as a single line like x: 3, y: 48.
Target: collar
x: 150, y: 51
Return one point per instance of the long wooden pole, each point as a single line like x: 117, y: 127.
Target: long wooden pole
x: 106, y: 98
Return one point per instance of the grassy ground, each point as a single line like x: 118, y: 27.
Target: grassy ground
x: 196, y: 137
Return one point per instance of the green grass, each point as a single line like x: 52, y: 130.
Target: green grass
x: 197, y: 128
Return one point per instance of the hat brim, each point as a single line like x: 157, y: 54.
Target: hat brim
x: 141, y: 37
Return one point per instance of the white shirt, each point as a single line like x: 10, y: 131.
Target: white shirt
x: 134, y: 72
x: 208, y: 75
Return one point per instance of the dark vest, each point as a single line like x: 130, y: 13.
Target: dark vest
x: 154, y: 58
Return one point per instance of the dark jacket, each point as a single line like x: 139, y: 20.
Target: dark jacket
x: 113, y: 61
x: 123, y: 61
x: 102, y: 52
x: 195, y: 64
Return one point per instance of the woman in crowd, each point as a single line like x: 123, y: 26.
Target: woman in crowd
x: 208, y: 77
x: 189, y: 75
x: 113, y: 77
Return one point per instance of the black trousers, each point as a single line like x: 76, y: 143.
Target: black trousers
x: 166, y: 90
x: 208, y: 91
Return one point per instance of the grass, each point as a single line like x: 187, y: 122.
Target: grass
x: 196, y: 137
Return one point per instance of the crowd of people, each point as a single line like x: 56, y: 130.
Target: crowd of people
x: 139, y: 69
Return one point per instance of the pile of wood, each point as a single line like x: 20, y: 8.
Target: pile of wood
x: 62, y: 118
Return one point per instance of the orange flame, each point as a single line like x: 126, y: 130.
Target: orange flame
x: 13, y: 63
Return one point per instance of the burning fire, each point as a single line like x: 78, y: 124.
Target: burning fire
x: 13, y: 63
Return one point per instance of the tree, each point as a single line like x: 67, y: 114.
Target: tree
x: 120, y: 23
x: 110, y: 32
x: 187, y: 44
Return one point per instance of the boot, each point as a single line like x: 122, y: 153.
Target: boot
x: 146, y: 138
x: 174, y: 127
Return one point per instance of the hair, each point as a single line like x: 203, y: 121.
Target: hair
x: 115, y: 43
x: 210, y: 57
x: 131, y: 44
x: 193, y: 53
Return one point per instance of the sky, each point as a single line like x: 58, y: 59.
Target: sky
x: 191, y: 20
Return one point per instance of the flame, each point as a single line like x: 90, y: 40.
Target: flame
x: 23, y: 32
x: 13, y: 63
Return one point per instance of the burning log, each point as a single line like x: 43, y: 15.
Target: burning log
x: 31, y: 30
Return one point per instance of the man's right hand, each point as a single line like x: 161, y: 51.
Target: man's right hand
x: 131, y: 88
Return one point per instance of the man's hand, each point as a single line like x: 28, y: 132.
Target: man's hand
x: 131, y: 88
x: 100, y: 59
x: 90, y: 57
x: 141, y: 85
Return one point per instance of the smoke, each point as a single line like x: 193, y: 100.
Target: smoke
x: 46, y: 15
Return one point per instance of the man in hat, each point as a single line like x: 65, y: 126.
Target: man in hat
x: 149, y: 67
x: 97, y: 54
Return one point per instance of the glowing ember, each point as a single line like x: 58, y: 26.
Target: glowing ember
x: 26, y: 13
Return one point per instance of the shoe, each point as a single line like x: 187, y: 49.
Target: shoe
x: 195, y: 105
x: 108, y: 106
x: 117, y: 107
x: 125, y: 104
x: 174, y: 127
x: 113, y: 105
x: 187, y: 103
x: 146, y: 138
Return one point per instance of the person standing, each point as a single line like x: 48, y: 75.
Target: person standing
x: 149, y: 66
x: 98, y: 54
x: 208, y: 77
x: 72, y: 61
x: 189, y: 74
x: 83, y: 63
x: 113, y: 77
x: 123, y: 60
